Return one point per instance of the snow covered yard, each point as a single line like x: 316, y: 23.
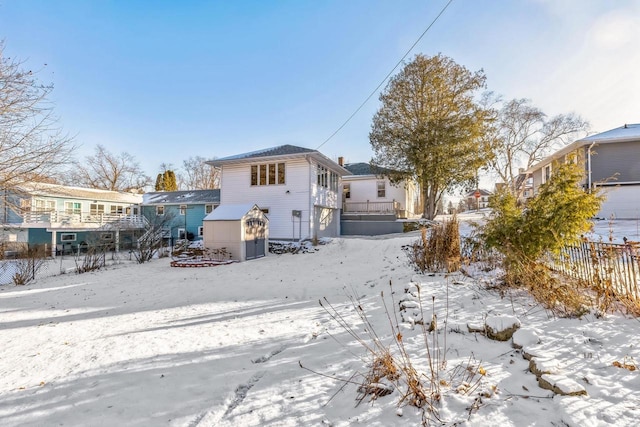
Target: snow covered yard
x: 149, y: 345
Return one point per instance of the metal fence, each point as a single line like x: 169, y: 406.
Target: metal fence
x: 35, y: 261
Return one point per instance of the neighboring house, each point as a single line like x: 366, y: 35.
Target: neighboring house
x: 67, y: 219
x: 368, y: 191
x: 299, y: 189
x: 477, y: 199
x: 612, y: 163
x: 180, y: 212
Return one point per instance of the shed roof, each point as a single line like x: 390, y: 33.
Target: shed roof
x: 230, y: 212
x: 189, y: 197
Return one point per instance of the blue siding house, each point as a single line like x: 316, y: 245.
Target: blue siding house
x: 66, y: 219
x: 180, y: 212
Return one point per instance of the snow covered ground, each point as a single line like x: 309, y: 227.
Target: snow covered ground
x: 152, y: 345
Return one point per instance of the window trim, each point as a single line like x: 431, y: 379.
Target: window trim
x: 68, y: 237
x: 182, y: 231
x: 183, y: 210
x: 383, y: 189
x: 160, y: 210
x: 200, y: 231
x: 208, y: 208
x: 267, y: 174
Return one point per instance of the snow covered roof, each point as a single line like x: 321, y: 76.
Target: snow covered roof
x: 56, y: 190
x: 625, y: 133
x: 230, y: 212
x: 188, y: 197
x: 281, y: 152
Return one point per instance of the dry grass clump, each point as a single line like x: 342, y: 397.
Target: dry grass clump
x: 417, y: 376
x: 438, y: 249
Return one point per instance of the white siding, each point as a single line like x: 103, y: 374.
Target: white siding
x: 280, y: 199
x: 365, y: 188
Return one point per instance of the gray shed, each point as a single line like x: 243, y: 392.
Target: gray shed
x: 243, y: 230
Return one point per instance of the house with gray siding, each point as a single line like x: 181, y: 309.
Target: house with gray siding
x: 611, y: 162
x: 299, y: 189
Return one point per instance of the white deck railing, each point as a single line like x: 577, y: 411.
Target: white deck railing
x: 64, y: 219
x: 392, y: 207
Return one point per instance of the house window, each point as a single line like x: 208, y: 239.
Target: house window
x: 183, y: 209
x: 346, y: 189
x: 96, y: 209
x: 45, y: 205
x: 68, y: 237
x: 182, y: 234
x: 117, y: 209
x: 268, y: 174
x: 265, y: 210
x: 381, y: 189
x: 106, y: 236
x: 208, y: 209
x: 201, y: 231
x: 159, y: 210
x: 72, y: 207
x: 546, y: 174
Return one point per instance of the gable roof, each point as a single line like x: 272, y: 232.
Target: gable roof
x: 277, y: 153
x: 188, y: 197
x: 64, y: 191
x: 625, y: 133
x: 230, y: 212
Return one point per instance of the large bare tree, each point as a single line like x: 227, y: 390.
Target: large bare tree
x: 108, y: 171
x: 197, y: 175
x: 429, y: 127
x: 33, y: 147
x: 522, y: 135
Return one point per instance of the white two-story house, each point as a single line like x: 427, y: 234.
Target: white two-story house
x: 299, y: 189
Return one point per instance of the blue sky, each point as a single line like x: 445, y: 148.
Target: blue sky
x: 166, y: 80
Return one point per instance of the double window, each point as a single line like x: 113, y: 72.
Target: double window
x: 72, y: 207
x: 96, y: 209
x: 268, y: 174
x: 44, y: 205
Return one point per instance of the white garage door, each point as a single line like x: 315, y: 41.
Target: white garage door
x: 621, y: 202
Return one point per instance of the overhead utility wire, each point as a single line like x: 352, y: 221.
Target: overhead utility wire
x: 388, y: 75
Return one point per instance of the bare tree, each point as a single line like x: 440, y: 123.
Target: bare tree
x: 522, y: 135
x: 32, y: 145
x: 108, y: 171
x: 197, y: 175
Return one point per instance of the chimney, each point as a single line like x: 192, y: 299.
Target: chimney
x: 341, y: 161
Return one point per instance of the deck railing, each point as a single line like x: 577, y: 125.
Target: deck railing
x: 392, y: 207
x: 84, y: 219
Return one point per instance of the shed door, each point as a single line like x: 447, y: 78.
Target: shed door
x: 255, y: 248
x: 255, y: 232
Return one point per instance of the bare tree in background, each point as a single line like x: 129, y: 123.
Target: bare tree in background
x: 522, y: 135
x: 197, y: 175
x: 107, y: 171
x: 32, y: 144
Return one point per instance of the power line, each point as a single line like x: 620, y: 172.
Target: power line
x: 387, y: 76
